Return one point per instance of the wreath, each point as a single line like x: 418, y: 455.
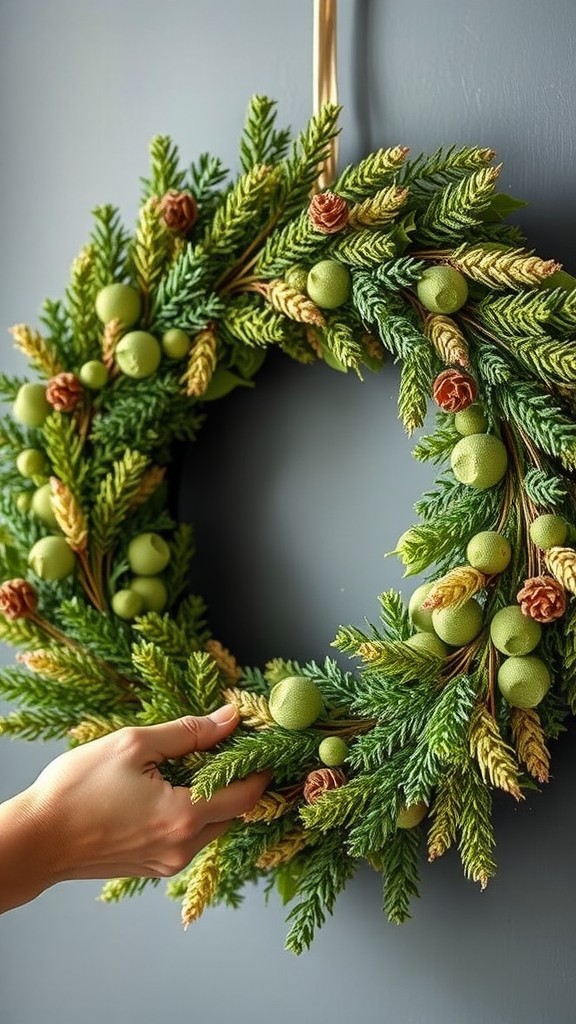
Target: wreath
x: 455, y: 693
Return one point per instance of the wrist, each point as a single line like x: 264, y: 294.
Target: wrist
x: 27, y: 863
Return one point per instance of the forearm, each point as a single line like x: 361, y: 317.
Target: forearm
x: 24, y: 855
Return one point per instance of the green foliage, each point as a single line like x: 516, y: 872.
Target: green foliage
x: 541, y: 419
x: 328, y: 870
x: 399, y: 860
x: 430, y: 172
x: 114, y: 497
x: 456, y: 208
x: 476, y: 834
x: 165, y: 173
x: 183, y: 298
x: 261, y: 142
x: 109, y: 241
x: 287, y: 754
x: 299, y: 169
x: 544, y: 489
x: 371, y: 174
x: 106, y: 636
x: 65, y: 450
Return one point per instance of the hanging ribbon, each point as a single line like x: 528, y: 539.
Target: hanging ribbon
x: 325, y: 89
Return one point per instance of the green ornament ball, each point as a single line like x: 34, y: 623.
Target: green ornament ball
x: 548, y: 531
x: 297, y: 277
x: 51, y: 558
x: 409, y: 817
x: 295, y: 702
x: 427, y: 643
x: 472, y: 420
x: 23, y: 502
x: 118, y: 302
x: 152, y: 590
x: 442, y: 289
x: 31, y: 407
x: 489, y: 551
x: 148, y: 554
x: 333, y: 751
x: 512, y: 632
x: 458, y: 626
x: 479, y: 460
x: 41, y: 506
x: 328, y: 284
x: 31, y: 462
x: 127, y: 604
x: 524, y: 681
x: 420, y: 618
x: 94, y: 374
x: 138, y: 354
x: 176, y: 344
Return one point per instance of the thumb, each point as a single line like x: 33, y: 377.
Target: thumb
x: 184, y: 735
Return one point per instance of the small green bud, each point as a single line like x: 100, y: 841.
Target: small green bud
x: 94, y: 374
x: 176, y: 344
x: 127, y: 604
x: 333, y: 751
x: 31, y: 462
x: 148, y: 554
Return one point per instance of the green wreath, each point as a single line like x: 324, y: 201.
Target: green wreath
x: 455, y: 694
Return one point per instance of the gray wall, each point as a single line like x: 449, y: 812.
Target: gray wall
x: 319, y: 474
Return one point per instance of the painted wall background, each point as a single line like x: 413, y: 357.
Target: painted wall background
x: 320, y: 478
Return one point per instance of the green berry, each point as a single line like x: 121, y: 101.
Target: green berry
x: 472, y: 420
x: 411, y: 816
x: 127, y: 604
x: 479, y: 460
x: 333, y: 751
x: 328, y: 284
x: 31, y: 462
x: 41, y: 506
x: 31, y: 406
x: 297, y: 277
x: 138, y: 354
x: 148, y: 554
x: 152, y: 590
x: 421, y: 619
x: 51, y: 558
x: 524, y: 681
x: 176, y: 343
x: 295, y: 702
x: 489, y: 551
x: 548, y: 531
x: 94, y: 374
x: 512, y: 632
x: 458, y: 626
x: 23, y: 501
x: 442, y: 289
x: 118, y: 302
x: 427, y: 643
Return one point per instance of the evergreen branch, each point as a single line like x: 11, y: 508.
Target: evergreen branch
x: 105, y: 636
x: 299, y: 169
x: 544, y: 489
x: 476, y: 841
x: 526, y: 312
x: 445, y: 814
x: 65, y: 450
x: 40, y: 723
x: 165, y: 174
x: 297, y: 242
x: 109, y: 240
x: 204, y: 681
x: 37, y: 350
x: 402, y: 272
x: 238, y: 212
x: 362, y: 248
x: 260, y: 142
x: 501, y: 267
x: 182, y: 550
x: 378, y: 209
x: 340, y: 339
x: 415, y: 386
x: 530, y: 744
x: 371, y: 174
x: 541, y: 419
x: 113, y: 499
x: 495, y: 757
x: 164, y: 633
x: 120, y: 888
x: 328, y: 869
x: 253, y: 708
x: 399, y: 863
x: 151, y: 249
x: 286, y: 754
x: 457, y: 207
x: 432, y: 171
x: 81, y: 307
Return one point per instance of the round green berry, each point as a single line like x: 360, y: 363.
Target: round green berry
x: 333, y: 751
x: 152, y: 590
x: 148, y: 554
x: 31, y: 462
x: 127, y: 604
x: 472, y: 420
x: 328, y: 284
x: 297, y: 277
x: 31, y: 406
x: 176, y: 344
x: 458, y: 626
x: 118, y: 302
x: 489, y: 551
x: 524, y: 681
x: 479, y: 460
x: 442, y: 289
x: 295, y: 702
x: 427, y: 643
x: 548, y: 531
x: 41, y: 506
x: 138, y: 354
x: 411, y: 816
x: 94, y: 374
x: 420, y: 618
x: 23, y: 502
x: 51, y: 558
x: 512, y: 632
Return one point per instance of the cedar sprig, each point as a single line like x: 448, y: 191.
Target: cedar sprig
x: 150, y: 250
x: 399, y: 865
x: 113, y: 498
x: 203, y: 681
x: 458, y: 207
x: 296, y: 243
x: 433, y: 171
x: 495, y: 758
x: 110, y: 243
x: 362, y: 248
x: 165, y: 172
x: 253, y: 708
x: 37, y: 350
x: 298, y: 170
x: 286, y: 754
x: 81, y: 306
x: 328, y: 870
x: 476, y: 833
x: 544, y: 489
x: 65, y: 450
x: 501, y: 268
x: 371, y: 174
x: 530, y: 744
x: 261, y: 142
x: 444, y: 815
x: 164, y: 633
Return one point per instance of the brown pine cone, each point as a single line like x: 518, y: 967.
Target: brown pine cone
x: 320, y: 781
x: 542, y: 599
x: 18, y: 599
x: 179, y: 211
x: 328, y: 212
x: 64, y: 392
x: 454, y: 390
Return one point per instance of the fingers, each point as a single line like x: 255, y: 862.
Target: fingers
x: 184, y: 735
x: 233, y: 800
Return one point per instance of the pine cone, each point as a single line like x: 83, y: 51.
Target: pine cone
x: 454, y: 390
x: 18, y: 599
x: 320, y: 781
x: 179, y: 210
x: 542, y: 598
x: 64, y: 392
x: 328, y: 212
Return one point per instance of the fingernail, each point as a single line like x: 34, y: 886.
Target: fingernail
x: 222, y: 716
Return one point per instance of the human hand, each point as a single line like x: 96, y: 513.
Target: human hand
x: 103, y: 810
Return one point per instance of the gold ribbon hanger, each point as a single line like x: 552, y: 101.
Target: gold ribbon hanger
x: 325, y: 88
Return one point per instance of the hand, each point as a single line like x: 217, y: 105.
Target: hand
x: 103, y: 810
